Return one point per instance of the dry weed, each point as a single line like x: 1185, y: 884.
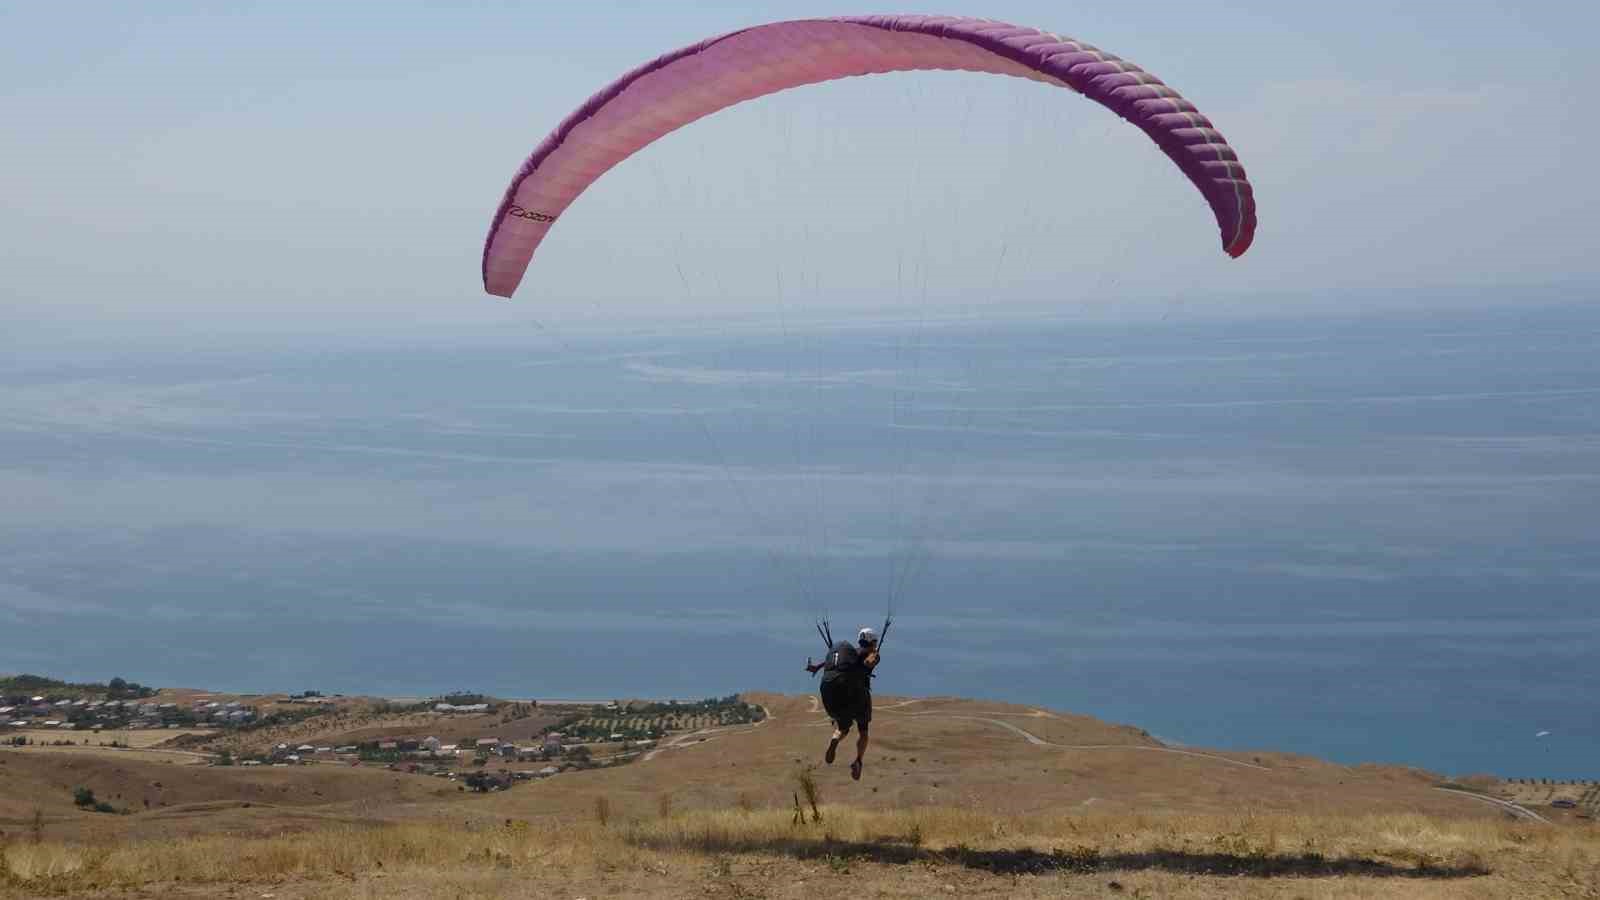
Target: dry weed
x: 805, y: 778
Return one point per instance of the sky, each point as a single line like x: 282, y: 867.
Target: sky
x: 260, y: 168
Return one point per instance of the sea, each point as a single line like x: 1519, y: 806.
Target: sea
x: 1368, y: 538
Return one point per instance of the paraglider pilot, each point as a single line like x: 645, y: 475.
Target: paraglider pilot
x: 847, y: 692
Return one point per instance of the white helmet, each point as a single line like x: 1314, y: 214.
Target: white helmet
x: 867, y: 636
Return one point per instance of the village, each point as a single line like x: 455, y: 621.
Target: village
x: 77, y: 714
x: 491, y: 763
x: 474, y: 741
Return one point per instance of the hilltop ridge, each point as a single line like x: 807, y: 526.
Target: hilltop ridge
x: 740, y: 805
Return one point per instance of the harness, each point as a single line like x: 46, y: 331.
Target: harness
x: 825, y: 631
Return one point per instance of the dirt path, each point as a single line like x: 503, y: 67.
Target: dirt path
x: 189, y: 757
x: 692, y: 737
x: 1041, y: 742
x: 706, y: 734
x: 1034, y: 739
x: 1507, y: 805
x: 1037, y: 741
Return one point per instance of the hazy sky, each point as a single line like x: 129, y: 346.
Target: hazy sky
x: 180, y: 167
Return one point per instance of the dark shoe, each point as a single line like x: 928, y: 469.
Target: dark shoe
x: 833, y: 750
x: 855, y: 770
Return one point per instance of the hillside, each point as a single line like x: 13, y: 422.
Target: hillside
x: 1067, y: 801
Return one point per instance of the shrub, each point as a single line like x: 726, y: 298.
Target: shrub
x: 84, y: 798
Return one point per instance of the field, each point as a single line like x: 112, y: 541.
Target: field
x: 133, y: 738
x: 662, y: 723
x: 167, y: 757
x: 355, y: 723
x: 643, y: 723
x: 160, y: 799
x: 959, y: 798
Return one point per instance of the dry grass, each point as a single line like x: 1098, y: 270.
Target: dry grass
x: 956, y: 806
x: 118, y: 754
x: 1411, y: 855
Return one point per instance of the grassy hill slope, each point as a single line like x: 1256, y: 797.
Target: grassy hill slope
x: 960, y: 798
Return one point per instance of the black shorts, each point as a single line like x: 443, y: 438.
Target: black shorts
x: 846, y: 704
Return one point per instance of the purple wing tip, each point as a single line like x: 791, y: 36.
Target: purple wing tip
x: 1246, y: 234
x: 1239, y: 246
x: 498, y: 288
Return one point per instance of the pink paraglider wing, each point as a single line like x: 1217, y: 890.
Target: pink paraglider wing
x: 668, y: 93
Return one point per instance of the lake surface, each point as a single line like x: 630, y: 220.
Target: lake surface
x: 1370, y: 540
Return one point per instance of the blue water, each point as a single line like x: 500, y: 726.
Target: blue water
x: 1368, y: 540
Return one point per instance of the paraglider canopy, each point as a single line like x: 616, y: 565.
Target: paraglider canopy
x: 695, y: 81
